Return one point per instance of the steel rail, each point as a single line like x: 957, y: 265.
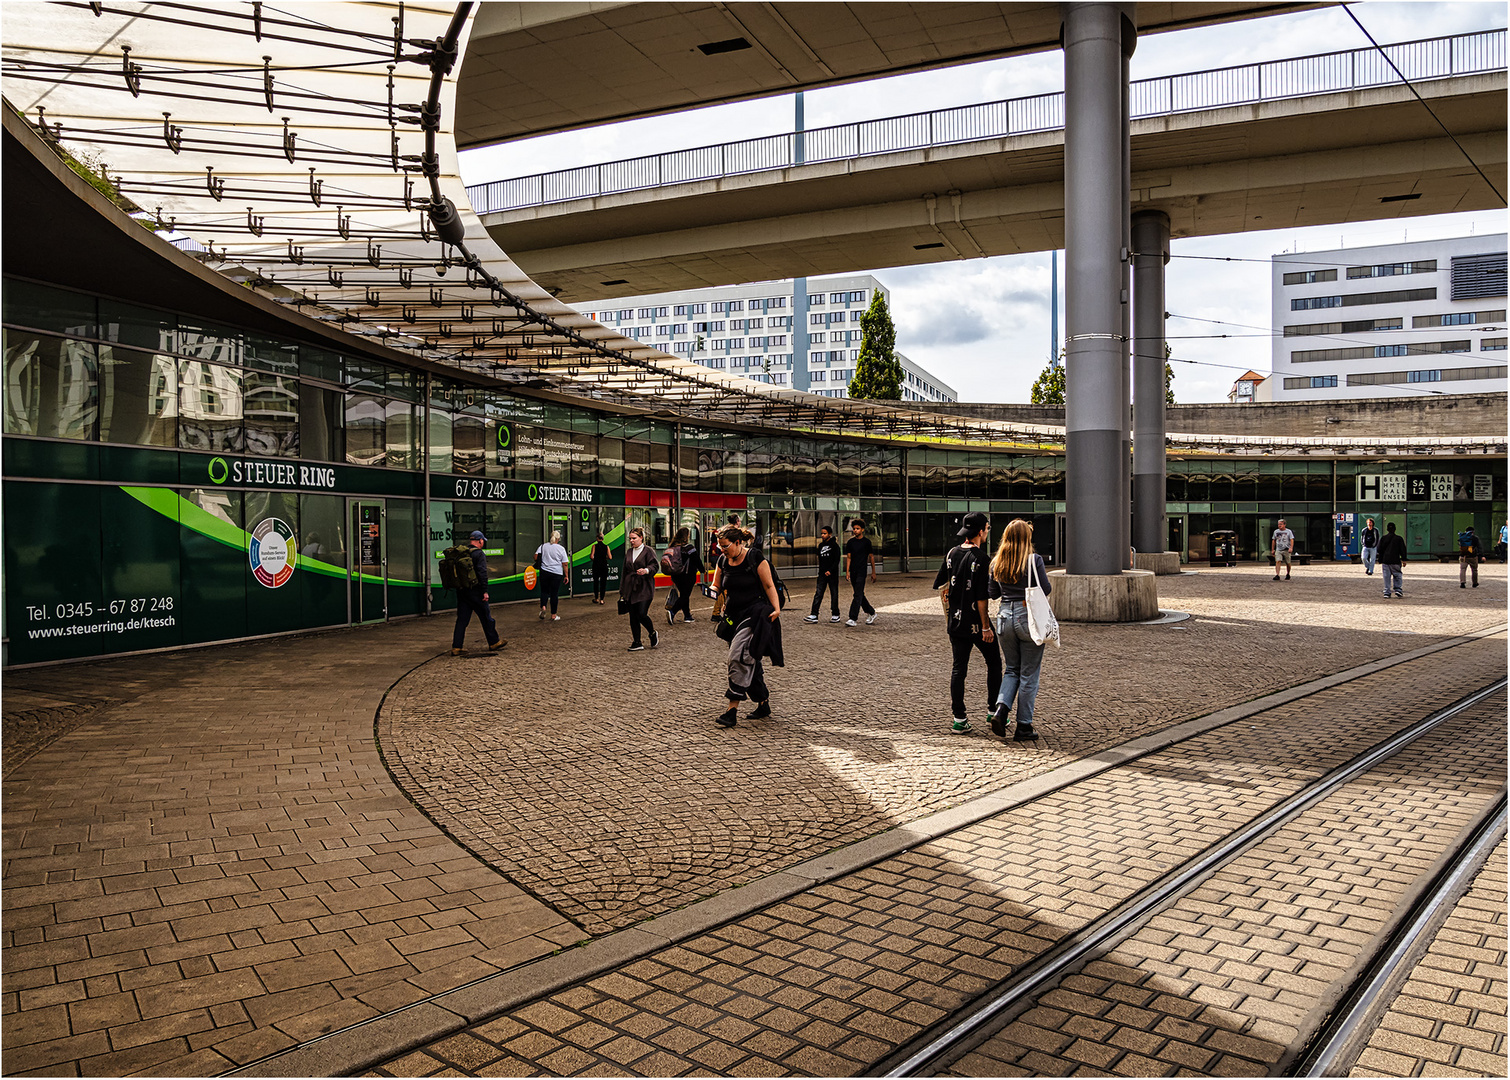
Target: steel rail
x: 1040, y: 974
x: 1334, y: 1049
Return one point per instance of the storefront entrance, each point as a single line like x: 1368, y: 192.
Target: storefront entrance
x: 369, y: 561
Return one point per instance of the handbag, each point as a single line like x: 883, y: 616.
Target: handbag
x: 1042, y: 626
x: 725, y: 628
x: 536, y: 563
x: 623, y: 606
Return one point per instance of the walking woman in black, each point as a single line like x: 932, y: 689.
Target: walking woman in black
x: 750, y: 610
x: 599, y: 555
x: 637, y: 589
x: 682, y: 564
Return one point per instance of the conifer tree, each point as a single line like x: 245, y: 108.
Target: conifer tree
x: 878, y: 372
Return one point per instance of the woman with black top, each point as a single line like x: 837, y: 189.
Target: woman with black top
x: 682, y: 564
x: 1014, y: 561
x: 637, y: 588
x: 750, y: 609
x: 599, y: 555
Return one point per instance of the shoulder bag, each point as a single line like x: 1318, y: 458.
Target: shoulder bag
x: 1042, y: 626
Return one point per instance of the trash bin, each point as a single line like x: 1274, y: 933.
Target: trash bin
x: 1223, y: 544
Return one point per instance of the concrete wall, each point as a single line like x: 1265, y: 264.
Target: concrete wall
x: 1466, y: 414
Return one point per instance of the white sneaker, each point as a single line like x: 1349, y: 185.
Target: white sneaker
x: 850, y: 622
x: 555, y: 618
x: 810, y: 618
x: 872, y: 617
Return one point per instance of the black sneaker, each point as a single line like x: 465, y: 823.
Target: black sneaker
x: 636, y: 647
x: 728, y: 719
x: 655, y: 639
x: 1025, y: 733
x: 761, y: 711
x: 999, y: 723
x: 670, y: 617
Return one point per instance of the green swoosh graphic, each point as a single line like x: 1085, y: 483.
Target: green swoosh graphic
x: 170, y: 504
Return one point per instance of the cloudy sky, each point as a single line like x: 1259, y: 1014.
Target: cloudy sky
x: 995, y: 337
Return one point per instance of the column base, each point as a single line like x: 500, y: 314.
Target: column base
x: 1160, y: 562
x: 1131, y: 596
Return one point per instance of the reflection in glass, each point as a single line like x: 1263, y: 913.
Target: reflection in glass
x: 366, y: 430
x: 272, y: 415
x: 322, y: 532
x: 209, y: 407
x: 50, y: 387
x: 468, y: 444
x: 138, y: 397
x: 405, y: 434
x: 611, y: 462
x: 441, y: 456
x: 321, y: 423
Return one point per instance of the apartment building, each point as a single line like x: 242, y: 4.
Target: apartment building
x: 765, y: 331
x: 1390, y: 320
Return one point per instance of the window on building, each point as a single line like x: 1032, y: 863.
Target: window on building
x: 720, y: 306
x: 680, y: 309
x: 1389, y: 350
x: 716, y: 326
x: 814, y: 299
x: 1492, y: 344
x: 1310, y: 277
x: 1423, y: 376
x: 775, y: 302
x: 855, y: 297
x: 1475, y: 276
x: 1309, y: 303
x: 1459, y: 318
x: 836, y: 298
x: 698, y: 309
x: 754, y: 324
x: 819, y: 376
x: 1428, y: 266
x: 736, y: 305
x: 817, y: 318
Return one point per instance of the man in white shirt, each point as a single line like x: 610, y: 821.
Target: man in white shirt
x: 1283, y: 543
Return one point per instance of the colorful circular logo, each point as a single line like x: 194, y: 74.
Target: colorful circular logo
x: 272, y: 552
x: 219, y: 470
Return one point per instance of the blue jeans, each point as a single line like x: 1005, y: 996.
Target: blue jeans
x: 1019, y: 676
x: 1395, y: 573
x: 1369, y: 554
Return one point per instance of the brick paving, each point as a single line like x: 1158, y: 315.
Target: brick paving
x: 833, y: 979
x: 208, y: 862
x: 1449, y: 1017
x: 1228, y: 979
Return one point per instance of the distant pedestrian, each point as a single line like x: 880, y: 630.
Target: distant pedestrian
x: 829, y: 556
x: 1470, y: 554
x: 749, y: 610
x: 555, y: 570
x: 1392, y: 558
x: 599, y: 557
x: 682, y: 564
x: 1016, y: 566
x: 964, y: 579
x: 1370, y: 542
x: 859, y: 554
x: 1283, y: 543
x: 475, y: 599
x: 1502, y: 549
x: 637, y: 588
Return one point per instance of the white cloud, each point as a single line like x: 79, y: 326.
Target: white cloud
x: 983, y: 325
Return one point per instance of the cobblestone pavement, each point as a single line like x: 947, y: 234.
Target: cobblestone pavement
x: 611, y: 794
x: 1449, y: 1018
x: 205, y: 860
x: 831, y: 980
x: 1222, y: 982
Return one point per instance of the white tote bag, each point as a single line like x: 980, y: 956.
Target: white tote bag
x: 1042, y: 626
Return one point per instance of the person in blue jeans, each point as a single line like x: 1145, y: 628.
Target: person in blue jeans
x: 1015, y: 560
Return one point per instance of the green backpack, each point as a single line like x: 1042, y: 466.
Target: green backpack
x: 457, y: 571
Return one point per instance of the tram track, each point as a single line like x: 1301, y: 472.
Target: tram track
x: 1322, y: 1051
x: 919, y: 935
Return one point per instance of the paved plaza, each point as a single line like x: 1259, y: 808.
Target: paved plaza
x: 215, y: 855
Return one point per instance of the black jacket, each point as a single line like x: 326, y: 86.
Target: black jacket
x: 480, y: 564
x: 1371, y: 538
x: 767, y: 640
x: 1392, y: 549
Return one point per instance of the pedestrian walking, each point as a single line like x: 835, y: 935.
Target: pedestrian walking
x: 475, y: 598
x: 829, y: 555
x: 637, y: 588
x: 858, y: 554
x: 554, y: 566
x: 1370, y: 541
x: 747, y: 617
x: 1470, y: 554
x: 1015, y: 567
x: 1283, y: 543
x: 964, y: 580
x: 1502, y: 549
x: 599, y: 556
x: 1392, y: 558
x: 681, y: 564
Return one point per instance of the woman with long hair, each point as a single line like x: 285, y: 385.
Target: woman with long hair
x: 637, y: 588
x: 555, y: 571
x: 1016, y: 566
x: 750, y: 608
x: 681, y: 564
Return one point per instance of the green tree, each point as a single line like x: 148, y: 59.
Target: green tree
x: 1048, y: 388
x: 1168, y: 383
x: 878, y: 372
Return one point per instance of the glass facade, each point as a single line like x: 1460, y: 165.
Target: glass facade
x: 221, y: 447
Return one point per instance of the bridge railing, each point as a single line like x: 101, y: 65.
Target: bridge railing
x: 1273, y: 80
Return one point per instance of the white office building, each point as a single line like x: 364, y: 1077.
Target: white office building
x: 1390, y: 321
x: 762, y: 331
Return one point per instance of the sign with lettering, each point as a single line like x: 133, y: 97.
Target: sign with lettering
x: 1483, y: 487
x: 1441, y: 487
x: 1419, y: 485
x: 479, y: 489
x: 1382, y: 487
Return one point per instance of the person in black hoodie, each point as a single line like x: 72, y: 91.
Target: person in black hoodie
x: 829, y: 557
x: 750, y: 610
x: 1392, y: 558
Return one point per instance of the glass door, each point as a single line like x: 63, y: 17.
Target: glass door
x: 369, y: 561
x: 1177, y: 537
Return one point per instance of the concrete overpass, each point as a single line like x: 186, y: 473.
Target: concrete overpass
x: 1316, y: 159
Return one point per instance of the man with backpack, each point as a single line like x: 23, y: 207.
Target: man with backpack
x: 965, y: 581
x: 467, y: 569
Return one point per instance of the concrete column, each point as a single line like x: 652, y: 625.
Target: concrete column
x: 801, y: 377
x: 1124, y: 461
x: 1095, y: 208
x: 1150, y: 239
